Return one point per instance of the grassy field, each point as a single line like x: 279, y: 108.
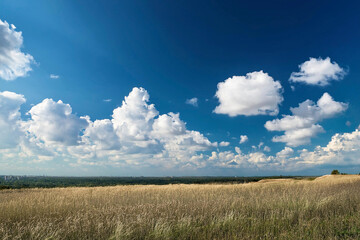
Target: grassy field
x: 325, y: 208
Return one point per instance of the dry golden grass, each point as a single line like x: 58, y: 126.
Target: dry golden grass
x: 326, y: 208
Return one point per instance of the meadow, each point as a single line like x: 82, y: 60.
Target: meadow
x: 325, y: 208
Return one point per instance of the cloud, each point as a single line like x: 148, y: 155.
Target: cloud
x: 229, y: 159
x: 161, y: 139
x: 254, y: 94
x: 301, y: 136
x: 54, y: 76
x: 13, y: 62
x: 343, y: 149
x: 224, y: 144
x: 267, y: 149
x: 168, y: 126
x: 243, y: 139
x: 133, y: 120
x: 9, y: 119
x: 300, y: 127
x: 192, y: 101
x: 318, y: 72
x: 137, y: 136
x: 107, y: 100
x: 326, y: 107
x: 53, y: 122
x: 101, y: 134
x: 285, y: 153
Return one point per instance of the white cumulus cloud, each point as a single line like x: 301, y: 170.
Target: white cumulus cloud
x: 54, y: 122
x: 101, y: 134
x: 137, y: 136
x: 343, y: 149
x: 318, y: 71
x: 254, y: 94
x: 13, y: 62
x: 168, y: 125
x: 267, y: 149
x: 133, y: 120
x: 137, y: 131
x: 224, y: 144
x: 192, y: 101
x: 10, y: 118
x: 243, y: 139
x: 300, y: 127
x: 285, y: 153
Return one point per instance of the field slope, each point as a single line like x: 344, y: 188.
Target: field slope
x: 325, y: 208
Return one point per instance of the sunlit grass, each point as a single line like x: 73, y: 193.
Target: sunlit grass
x: 327, y: 208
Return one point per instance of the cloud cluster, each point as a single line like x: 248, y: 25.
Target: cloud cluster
x: 318, y: 71
x: 13, y: 62
x: 135, y: 133
x: 342, y: 150
x: 300, y: 127
x: 238, y: 159
x: 254, y: 94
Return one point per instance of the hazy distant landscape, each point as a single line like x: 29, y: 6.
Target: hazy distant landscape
x: 16, y: 182
x: 325, y: 208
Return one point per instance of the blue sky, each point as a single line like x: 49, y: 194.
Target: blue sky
x: 174, y: 55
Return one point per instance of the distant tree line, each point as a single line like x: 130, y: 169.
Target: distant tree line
x: 11, y: 182
x: 336, y: 172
